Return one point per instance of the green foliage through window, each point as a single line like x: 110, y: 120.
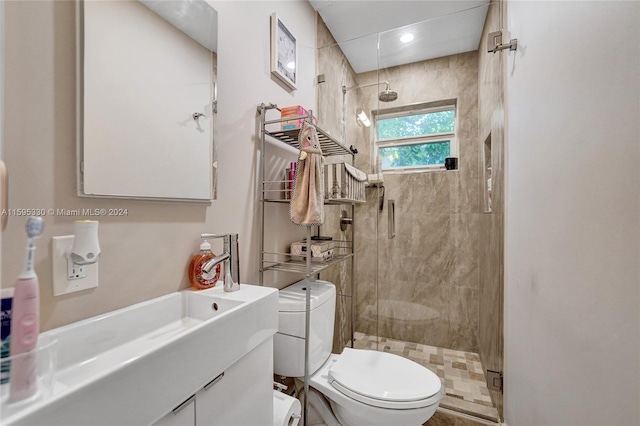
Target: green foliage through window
x: 415, y: 155
x: 416, y: 125
x: 416, y: 140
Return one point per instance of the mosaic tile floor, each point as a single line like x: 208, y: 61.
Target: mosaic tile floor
x: 461, y: 372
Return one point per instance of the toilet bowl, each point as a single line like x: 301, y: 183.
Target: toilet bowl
x: 363, y: 387
x: 377, y: 389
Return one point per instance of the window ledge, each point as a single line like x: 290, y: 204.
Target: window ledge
x: 416, y: 170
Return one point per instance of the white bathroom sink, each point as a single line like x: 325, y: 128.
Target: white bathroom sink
x: 133, y: 365
x: 99, y: 344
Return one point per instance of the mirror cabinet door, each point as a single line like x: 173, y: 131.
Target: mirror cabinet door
x: 146, y: 126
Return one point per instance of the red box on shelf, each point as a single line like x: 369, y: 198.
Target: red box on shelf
x: 293, y: 111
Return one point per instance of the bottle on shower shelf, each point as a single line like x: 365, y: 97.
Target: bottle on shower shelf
x: 290, y: 176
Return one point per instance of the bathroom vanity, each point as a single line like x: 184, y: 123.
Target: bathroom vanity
x: 234, y: 397
x: 188, y: 355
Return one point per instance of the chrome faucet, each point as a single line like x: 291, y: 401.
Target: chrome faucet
x: 230, y: 259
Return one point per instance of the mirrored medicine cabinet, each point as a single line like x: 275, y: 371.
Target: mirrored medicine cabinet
x: 146, y: 96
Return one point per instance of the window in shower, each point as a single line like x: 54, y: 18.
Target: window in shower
x: 416, y: 138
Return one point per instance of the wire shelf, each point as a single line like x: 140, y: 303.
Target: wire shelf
x: 300, y: 266
x: 328, y: 144
x: 278, y: 188
x: 332, y: 202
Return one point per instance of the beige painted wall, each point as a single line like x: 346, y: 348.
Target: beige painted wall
x: 145, y: 253
x: 572, y: 293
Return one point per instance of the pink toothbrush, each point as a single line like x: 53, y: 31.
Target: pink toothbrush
x: 25, y: 322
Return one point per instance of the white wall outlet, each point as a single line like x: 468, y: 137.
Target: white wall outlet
x: 68, y: 277
x: 76, y: 272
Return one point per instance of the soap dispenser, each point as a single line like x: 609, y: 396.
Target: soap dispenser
x: 201, y: 280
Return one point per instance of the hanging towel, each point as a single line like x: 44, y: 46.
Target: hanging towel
x: 307, y: 201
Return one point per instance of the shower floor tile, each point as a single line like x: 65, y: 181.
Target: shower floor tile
x: 460, y: 372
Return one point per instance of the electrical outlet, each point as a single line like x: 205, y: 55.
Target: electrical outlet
x: 76, y: 272
x: 67, y: 276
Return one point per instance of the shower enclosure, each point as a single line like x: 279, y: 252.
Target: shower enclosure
x: 428, y: 271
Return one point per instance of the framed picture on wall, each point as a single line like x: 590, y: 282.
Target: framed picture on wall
x: 284, y: 52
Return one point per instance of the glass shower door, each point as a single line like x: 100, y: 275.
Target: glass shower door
x: 421, y: 267
x: 431, y: 287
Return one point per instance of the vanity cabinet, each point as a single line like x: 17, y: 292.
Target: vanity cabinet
x: 182, y: 415
x: 242, y: 395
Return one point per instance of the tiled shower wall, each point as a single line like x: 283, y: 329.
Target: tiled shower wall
x: 428, y: 285
x: 337, y: 72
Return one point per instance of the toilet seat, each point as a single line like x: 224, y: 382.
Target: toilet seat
x: 384, y: 380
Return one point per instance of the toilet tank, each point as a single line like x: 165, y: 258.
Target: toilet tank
x: 288, y: 345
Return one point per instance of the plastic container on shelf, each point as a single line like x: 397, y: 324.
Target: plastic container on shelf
x: 43, y: 358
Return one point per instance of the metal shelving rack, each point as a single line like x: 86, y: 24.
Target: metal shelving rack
x: 271, y: 261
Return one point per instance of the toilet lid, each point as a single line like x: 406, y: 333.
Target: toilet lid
x: 384, y: 380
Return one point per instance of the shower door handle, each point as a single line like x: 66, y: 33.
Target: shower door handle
x: 391, y: 212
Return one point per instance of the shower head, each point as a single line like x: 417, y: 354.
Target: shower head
x: 388, y: 95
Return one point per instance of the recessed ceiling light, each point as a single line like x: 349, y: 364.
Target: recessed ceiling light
x: 406, y: 38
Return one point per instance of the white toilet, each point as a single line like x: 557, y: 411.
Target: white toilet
x: 363, y: 387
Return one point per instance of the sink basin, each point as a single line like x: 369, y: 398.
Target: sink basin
x: 98, y: 344
x: 132, y: 365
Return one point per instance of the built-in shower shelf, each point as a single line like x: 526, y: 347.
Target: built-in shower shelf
x: 328, y: 144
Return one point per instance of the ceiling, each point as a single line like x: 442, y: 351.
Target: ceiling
x: 440, y: 28
x: 196, y: 18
